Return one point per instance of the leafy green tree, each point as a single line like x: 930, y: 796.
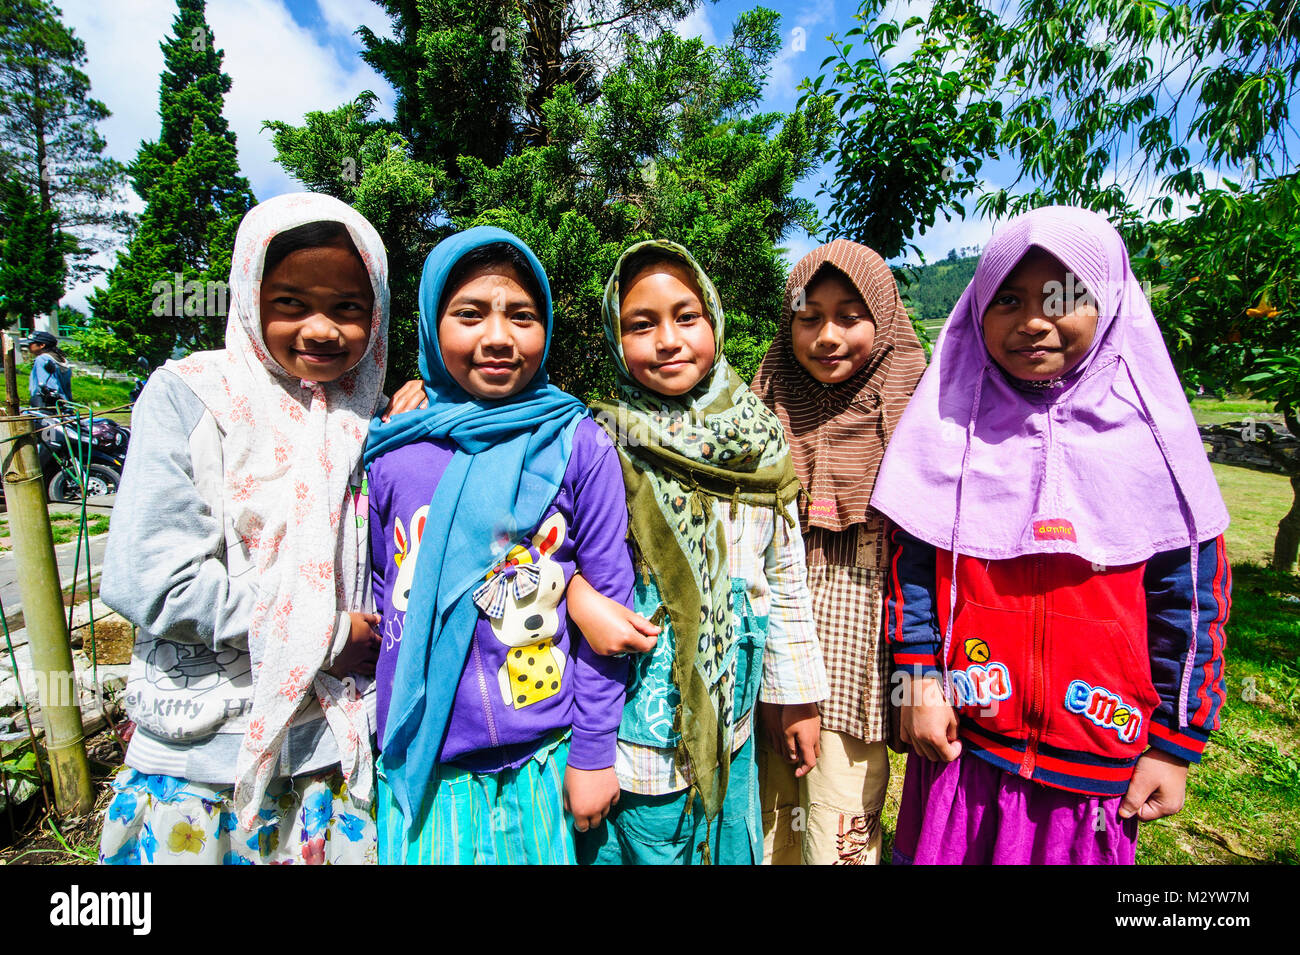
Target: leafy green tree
x: 457, y: 72
x: 1107, y: 95
x: 48, y: 139
x: 912, y: 137
x: 32, y: 268
x: 168, y: 288
x: 1226, y: 290
x: 1098, y: 100
x: 660, y: 137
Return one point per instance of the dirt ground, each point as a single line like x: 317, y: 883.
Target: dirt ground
x: 31, y: 836
x: 113, y: 641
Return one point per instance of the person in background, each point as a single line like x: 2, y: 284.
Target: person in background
x: 51, y: 376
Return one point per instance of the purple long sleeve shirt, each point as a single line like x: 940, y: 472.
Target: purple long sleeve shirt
x: 529, y: 672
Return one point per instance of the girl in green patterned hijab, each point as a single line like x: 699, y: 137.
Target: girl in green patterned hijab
x: 697, y: 448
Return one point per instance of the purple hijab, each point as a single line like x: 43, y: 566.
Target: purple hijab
x: 1107, y: 464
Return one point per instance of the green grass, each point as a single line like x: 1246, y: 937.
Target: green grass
x: 1243, y: 800
x: 1214, y: 411
x: 63, y: 527
x: 88, y: 390
x: 100, y: 394
x: 1256, y: 502
x: 1240, y: 406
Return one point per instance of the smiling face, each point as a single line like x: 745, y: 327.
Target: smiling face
x: 491, y: 333
x: 316, y: 307
x: 1039, y: 324
x: 833, y: 333
x: 668, y: 341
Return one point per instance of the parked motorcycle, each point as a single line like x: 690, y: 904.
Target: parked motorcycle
x: 69, y: 445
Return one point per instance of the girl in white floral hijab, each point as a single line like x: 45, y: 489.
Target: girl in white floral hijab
x: 237, y: 547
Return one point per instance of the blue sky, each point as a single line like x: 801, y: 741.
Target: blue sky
x: 289, y: 57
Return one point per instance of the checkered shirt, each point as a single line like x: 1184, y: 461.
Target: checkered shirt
x: 846, y: 575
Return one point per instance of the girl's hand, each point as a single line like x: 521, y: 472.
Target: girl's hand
x: 409, y: 397
x: 1157, y: 788
x: 361, y: 652
x: 589, y: 795
x: 608, y: 626
x: 794, y: 733
x: 927, y: 721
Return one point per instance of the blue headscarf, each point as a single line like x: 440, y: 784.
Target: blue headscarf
x: 511, y: 455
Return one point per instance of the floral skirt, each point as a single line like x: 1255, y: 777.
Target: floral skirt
x: 164, y: 820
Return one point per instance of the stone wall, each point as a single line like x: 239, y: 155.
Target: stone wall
x: 1252, y: 444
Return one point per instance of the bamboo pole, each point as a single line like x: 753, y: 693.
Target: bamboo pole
x: 11, y: 377
x: 38, y: 582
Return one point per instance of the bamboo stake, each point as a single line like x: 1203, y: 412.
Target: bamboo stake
x: 38, y: 582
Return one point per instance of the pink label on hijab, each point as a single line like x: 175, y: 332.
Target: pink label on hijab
x: 1054, y: 529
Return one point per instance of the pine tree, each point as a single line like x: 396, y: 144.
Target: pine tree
x: 32, y: 268
x: 48, y: 139
x: 168, y: 288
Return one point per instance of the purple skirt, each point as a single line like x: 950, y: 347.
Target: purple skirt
x: 971, y: 812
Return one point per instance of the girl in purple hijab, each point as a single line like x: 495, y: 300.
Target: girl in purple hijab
x: 1059, y: 585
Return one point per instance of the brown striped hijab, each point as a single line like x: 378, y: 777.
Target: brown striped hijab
x: 838, y: 433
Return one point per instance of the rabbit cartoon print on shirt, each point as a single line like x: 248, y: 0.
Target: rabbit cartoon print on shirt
x: 520, y: 598
x: 406, y: 542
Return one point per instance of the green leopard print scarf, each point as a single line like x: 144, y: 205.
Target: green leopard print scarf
x: 717, y: 442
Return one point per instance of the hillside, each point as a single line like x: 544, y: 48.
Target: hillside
x: 935, y: 288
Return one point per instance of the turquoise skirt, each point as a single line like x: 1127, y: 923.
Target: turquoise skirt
x: 514, y: 817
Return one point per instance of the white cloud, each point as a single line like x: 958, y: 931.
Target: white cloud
x: 279, y: 72
x: 1147, y: 188
x: 697, y: 25
x: 803, y: 48
x: 973, y: 229
x: 344, y: 16
x: 123, y: 61
x: 909, y: 42
x: 957, y: 234
x: 796, y: 247
x: 278, y: 69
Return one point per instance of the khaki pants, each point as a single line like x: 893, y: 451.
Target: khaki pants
x: 832, y: 815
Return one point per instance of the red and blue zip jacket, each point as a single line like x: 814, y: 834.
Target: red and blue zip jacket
x: 1062, y: 671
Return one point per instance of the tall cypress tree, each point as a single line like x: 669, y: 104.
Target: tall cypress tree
x: 168, y: 286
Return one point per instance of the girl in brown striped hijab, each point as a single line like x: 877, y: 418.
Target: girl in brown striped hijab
x: 839, y: 373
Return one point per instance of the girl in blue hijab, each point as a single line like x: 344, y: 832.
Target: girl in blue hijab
x: 497, y: 724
